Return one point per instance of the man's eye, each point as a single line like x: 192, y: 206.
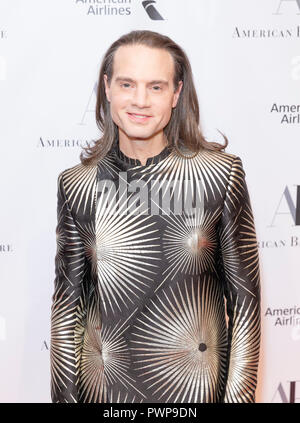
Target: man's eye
x: 127, y: 85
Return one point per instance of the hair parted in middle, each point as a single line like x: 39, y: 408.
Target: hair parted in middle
x: 184, y: 123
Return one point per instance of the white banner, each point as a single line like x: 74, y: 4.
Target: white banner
x: 246, y: 64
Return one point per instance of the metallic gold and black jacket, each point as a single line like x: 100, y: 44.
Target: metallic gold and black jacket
x: 154, y: 301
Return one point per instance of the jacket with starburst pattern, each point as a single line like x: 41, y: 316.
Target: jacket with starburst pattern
x: 157, y: 287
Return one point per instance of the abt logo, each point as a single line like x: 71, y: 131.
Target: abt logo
x: 293, y: 207
x: 152, y: 11
x: 288, y: 395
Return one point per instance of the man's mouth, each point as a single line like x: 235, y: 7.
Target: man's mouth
x: 139, y: 117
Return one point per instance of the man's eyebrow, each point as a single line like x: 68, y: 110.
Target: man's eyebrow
x: 155, y: 81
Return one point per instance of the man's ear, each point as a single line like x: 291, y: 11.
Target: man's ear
x: 106, y: 87
x: 177, y: 93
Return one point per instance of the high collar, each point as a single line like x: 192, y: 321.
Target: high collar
x: 131, y: 162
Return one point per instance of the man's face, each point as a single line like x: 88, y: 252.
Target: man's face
x: 142, y: 83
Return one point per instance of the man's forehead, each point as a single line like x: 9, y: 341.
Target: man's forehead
x: 129, y: 63
x: 131, y: 50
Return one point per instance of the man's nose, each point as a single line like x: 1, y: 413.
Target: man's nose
x: 141, y: 96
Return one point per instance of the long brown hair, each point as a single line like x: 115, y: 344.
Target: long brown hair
x: 184, y: 122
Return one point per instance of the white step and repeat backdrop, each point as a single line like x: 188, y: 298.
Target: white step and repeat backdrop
x: 245, y: 57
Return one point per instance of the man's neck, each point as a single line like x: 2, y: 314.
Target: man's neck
x: 142, y: 149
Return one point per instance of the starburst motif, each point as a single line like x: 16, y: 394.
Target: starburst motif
x: 60, y: 241
x: 123, y: 397
x: 67, y: 316
x: 181, y: 341
x: 210, y: 168
x: 189, y: 243
x: 126, y: 251
x: 138, y: 311
x: 105, y: 358
x: 245, y: 345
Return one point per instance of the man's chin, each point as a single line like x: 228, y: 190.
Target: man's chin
x: 139, y: 135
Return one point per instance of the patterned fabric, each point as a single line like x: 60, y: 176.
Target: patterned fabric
x: 155, y: 301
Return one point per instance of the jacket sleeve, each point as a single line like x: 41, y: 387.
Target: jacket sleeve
x: 67, y: 309
x: 241, y: 277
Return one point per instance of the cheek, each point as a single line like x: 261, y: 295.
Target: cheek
x: 166, y: 111
x: 119, y: 99
x: 116, y: 105
x: 164, y: 106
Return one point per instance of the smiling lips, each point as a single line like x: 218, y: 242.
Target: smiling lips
x: 139, y: 117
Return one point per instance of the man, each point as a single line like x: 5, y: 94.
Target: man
x: 157, y: 288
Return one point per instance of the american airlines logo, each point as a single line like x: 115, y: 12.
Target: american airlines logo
x: 285, y: 6
x: 151, y: 10
x: 292, y: 208
x: 287, y: 393
x: 102, y: 8
x: 282, y: 7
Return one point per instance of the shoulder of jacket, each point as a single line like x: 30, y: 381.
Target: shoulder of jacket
x: 213, y: 159
x: 221, y: 154
x: 77, y: 172
x: 210, y: 157
x: 79, y: 182
x: 230, y: 159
